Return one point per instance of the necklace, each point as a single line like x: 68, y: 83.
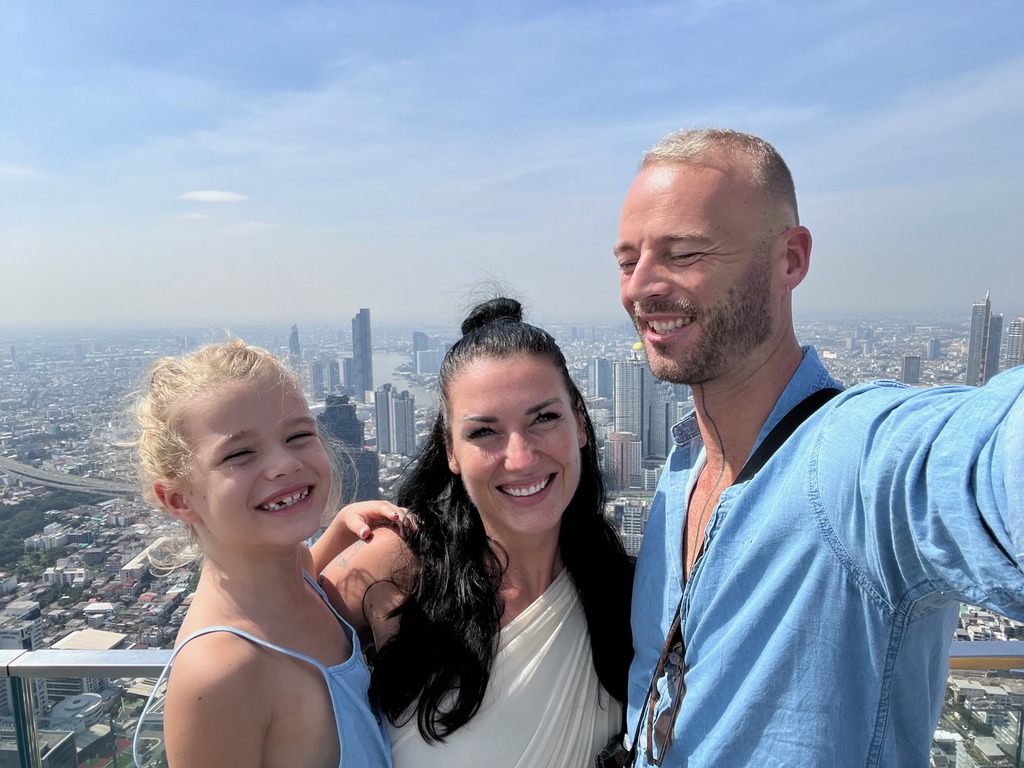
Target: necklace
x: 694, y: 537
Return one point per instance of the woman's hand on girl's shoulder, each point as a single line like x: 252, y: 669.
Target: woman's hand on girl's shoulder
x: 357, y: 522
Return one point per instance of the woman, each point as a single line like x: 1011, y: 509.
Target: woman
x: 501, y: 623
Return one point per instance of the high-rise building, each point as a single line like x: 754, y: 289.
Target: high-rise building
x: 934, y: 349
x: 623, y: 462
x: 21, y: 628
x: 396, y: 421
x: 600, y: 379
x: 984, y: 343
x: 628, y: 394
x: 426, y: 353
x: 362, y: 355
x: 294, y: 349
x: 359, y: 467
x: 1015, y: 343
x: 429, y: 361
x: 659, y: 416
x: 995, y: 345
x: 317, y: 372
x: 348, y: 375
x: 910, y: 369
x: 643, y: 405
x: 634, y: 519
x: 333, y: 377
x: 420, y: 342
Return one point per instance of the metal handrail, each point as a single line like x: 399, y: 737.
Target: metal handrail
x: 21, y: 666
x: 987, y: 654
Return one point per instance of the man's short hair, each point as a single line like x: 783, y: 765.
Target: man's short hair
x: 769, y: 171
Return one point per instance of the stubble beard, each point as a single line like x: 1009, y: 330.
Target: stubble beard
x: 730, y: 329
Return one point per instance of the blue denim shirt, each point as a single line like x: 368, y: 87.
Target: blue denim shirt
x: 817, y: 622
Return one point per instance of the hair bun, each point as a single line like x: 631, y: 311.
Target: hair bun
x: 499, y: 310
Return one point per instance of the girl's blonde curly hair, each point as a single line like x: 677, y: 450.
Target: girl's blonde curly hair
x: 163, y: 449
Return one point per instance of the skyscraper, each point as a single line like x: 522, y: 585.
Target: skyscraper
x: 333, y: 377
x: 659, y: 416
x: 359, y: 467
x: 362, y: 354
x: 910, y: 369
x: 628, y: 394
x: 995, y: 345
x: 317, y: 371
x: 396, y: 421
x: 643, y: 405
x: 599, y: 377
x: 426, y: 353
x: 1015, y: 343
x: 983, y: 344
x: 293, y: 342
x: 622, y: 460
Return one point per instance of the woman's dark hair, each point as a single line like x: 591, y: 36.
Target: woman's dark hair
x: 438, y: 663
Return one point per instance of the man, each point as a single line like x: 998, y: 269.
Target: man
x: 819, y: 598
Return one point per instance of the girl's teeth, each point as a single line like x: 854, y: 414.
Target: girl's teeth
x: 661, y: 326
x: 528, y: 491
x: 285, y: 502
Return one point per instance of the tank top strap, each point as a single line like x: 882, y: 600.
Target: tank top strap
x: 327, y: 672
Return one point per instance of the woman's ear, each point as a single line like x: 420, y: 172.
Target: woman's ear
x: 581, y: 425
x: 453, y: 463
x: 175, y: 501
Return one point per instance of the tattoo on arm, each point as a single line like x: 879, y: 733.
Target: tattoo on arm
x: 345, y: 558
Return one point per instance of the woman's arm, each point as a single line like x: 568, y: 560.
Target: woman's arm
x: 369, y: 580
x: 353, y: 523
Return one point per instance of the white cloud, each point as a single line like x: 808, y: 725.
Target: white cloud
x: 249, y: 228
x: 212, y: 196
x: 191, y: 216
x: 15, y: 171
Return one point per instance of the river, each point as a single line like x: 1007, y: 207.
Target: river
x: 384, y: 365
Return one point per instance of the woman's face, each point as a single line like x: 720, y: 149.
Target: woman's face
x: 515, y: 441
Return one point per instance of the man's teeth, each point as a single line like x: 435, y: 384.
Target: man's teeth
x: 528, y: 491
x: 287, y: 501
x: 661, y: 326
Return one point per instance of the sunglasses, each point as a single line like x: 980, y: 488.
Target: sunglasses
x: 670, y: 665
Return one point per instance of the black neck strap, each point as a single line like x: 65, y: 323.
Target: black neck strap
x: 781, y: 431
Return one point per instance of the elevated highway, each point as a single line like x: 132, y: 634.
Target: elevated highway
x: 65, y: 482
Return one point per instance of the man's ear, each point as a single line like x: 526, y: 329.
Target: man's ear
x: 797, y: 256
x: 175, y: 501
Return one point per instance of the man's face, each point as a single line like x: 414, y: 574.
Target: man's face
x: 696, y: 270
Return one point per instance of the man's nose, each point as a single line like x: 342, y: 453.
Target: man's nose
x: 647, y: 281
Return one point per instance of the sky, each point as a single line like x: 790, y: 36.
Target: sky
x: 278, y: 162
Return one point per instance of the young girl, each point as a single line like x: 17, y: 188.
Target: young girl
x: 265, y: 673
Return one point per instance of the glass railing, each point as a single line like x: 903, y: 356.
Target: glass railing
x: 66, y: 709
x: 982, y: 722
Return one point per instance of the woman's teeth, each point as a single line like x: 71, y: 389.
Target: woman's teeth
x: 528, y: 491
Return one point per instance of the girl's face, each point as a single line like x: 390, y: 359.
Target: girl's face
x: 515, y: 441
x: 259, y: 476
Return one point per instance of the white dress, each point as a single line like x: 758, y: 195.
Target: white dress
x: 544, y: 707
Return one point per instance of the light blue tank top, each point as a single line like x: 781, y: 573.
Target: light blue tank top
x: 361, y: 733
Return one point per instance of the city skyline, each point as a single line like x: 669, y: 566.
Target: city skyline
x: 392, y: 156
